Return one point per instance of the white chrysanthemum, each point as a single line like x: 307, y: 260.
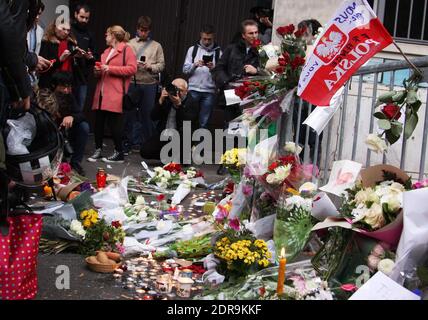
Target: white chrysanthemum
x: 77, y: 228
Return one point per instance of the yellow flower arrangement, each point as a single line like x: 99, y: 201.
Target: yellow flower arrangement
x: 234, y: 158
x: 241, y: 255
x: 89, y: 217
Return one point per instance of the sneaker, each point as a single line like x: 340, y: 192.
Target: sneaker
x: 117, y: 157
x: 96, y: 156
x: 76, y: 167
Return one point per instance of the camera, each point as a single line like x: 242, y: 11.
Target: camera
x: 172, y: 90
x: 207, y: 58
x: 68, y: 149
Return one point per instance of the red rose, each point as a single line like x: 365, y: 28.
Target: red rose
x: 160, y: 197
x: 256, y: 43
x: 282, y: 62
x: 392, y: 111
x: 199, y: 174
x: 299, y: 33
x: 173, y: 167
x: 281, y: 31
x: 116, y: 224
x: 297, y: 62
x: 247, y: 83
x: 280, y: 70
x: 273, y: 166
x: 290, y: 29
x: 262, y: 291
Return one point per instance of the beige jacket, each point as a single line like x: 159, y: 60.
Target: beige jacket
x: 154, y: 58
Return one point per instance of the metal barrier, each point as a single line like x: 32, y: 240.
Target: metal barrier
x: 345, y: 136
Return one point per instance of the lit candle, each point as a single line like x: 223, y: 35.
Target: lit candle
x: 281, y: 273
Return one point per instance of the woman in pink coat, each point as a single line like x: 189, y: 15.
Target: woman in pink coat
x: 113, y: 73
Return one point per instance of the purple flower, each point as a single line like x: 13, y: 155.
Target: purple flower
x: 221, y: 215
x: 235, y: 224
x: 247, y: 190
x: 85, y: 186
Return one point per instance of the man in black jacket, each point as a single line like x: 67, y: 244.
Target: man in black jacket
x: 84, y: 65
x: 174, y: 108
x: 239, y: 60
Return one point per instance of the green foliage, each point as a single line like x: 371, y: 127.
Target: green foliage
x: 193, y: 248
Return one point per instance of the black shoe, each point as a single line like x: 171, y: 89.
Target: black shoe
x: 76, y: 167
x: 221, y: 170
x: 117, y: 157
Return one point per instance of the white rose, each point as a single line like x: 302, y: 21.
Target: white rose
x: 374, y: 216
x: 291, y: 147
x: 373, y: 198
x: 283, y: 172
x: 362, y: 196
x: 77, y: 228
x: 140, y: 201
x: 271, y: 179
x: 397, y: 188
x: 386, y: 266
x: 376, y: 143
x: 143, y: 214
x: 308, y: 187
x: 191, y: 174
x: 160, y: 225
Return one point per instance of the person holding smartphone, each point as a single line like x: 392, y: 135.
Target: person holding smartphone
x: 151, y: 62
x: 200, y: 60
x: 59, y: 47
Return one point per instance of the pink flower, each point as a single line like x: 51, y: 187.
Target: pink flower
x: 235, y: 224
x: 120, y: 248
x: 418, y: 185
x: 65, y: 168
x: 221, y: 214
x: 349, y: 287
x: 247, y: 190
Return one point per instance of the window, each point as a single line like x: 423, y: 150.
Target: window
x: 404, y: 19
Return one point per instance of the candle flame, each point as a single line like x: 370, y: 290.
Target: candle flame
x: 283, y: 253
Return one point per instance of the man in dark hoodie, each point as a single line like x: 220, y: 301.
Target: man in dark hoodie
x: 238, y: 61
x: 83, y: 65
x: 200, y: 60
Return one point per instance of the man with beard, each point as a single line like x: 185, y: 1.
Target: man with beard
x: 62, y: 106
x: 83, y: 65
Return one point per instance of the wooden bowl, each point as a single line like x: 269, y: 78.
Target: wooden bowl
x: 102, y: 268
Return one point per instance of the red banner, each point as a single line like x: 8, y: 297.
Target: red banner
x: 353, y: 36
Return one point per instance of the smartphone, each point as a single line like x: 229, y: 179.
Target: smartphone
x: 207, y: 59
x: 143, y: 59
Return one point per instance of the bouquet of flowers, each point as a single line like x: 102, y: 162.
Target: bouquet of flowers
x: 371, y: 209
x: 294, y: 222
x: 241, y: 254
x: 103, y: 236
x: 234, y: 160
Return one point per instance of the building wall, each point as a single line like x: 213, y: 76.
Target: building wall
x: 49, y: 14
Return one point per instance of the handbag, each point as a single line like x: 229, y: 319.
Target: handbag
x: 131, y: 98
x: 19, y: 247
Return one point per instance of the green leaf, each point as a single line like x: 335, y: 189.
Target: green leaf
x: 380, y: 115
x: 387, y: 97
x: 411, y: 123
x: 391, y: 137
x: 399, y: 97
x: 423, y: 275
x: 396, y: 129
x: 412, y: 97
x: 415, y: 107
x: 384, y: 124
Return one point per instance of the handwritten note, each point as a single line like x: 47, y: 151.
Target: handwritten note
x: 381, y: 287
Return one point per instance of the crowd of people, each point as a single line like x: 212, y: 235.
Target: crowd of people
x: 57, y: 63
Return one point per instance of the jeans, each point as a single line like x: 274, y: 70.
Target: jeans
x: 80, y: 93
x: 115, y: 123
x: 206, y: 101
x: 78, y: 136
x: 139, y: 126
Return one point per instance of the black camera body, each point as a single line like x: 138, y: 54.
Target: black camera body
x: 172, y: 90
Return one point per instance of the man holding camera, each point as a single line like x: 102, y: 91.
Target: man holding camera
x: 175, y: 106
x: 200, y: 60
x: 151, y: 62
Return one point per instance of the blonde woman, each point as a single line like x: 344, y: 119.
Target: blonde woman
x: 60, y: 47
x: 118, y: 65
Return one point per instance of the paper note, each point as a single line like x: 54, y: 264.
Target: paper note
x: 231, y: 97
x: 343, y: 176
x: 321, y: 116
x: 381, y: 287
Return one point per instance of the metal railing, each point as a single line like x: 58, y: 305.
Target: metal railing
x: 344, y: 138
